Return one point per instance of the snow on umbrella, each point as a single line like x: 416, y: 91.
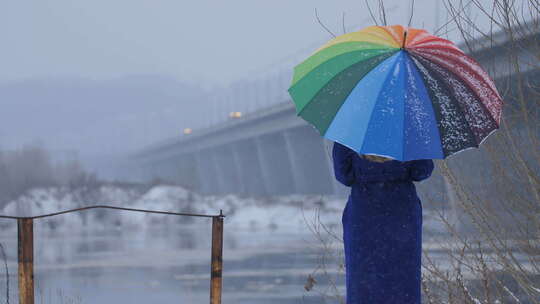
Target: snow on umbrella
x: 397, y: 92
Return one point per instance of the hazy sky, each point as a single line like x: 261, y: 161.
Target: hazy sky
x: 109, y: 76
x: 208, y: 41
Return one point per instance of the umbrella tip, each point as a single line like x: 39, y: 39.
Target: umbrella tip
x: 404, y: 39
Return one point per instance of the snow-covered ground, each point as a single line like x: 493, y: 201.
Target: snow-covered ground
x: 290, y: 213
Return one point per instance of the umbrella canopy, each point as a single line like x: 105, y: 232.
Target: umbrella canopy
x: 397, y: 92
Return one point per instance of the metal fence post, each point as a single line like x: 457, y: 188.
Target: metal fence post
x: 25, y: 230
x: 217, y: 259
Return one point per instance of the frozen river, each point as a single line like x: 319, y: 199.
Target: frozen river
x: 168, y: 266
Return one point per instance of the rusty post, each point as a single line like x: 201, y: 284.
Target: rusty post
x: 217, y: 259
x: 25, y: 229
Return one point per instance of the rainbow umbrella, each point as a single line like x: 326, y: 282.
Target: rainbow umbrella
x: 397, y: 92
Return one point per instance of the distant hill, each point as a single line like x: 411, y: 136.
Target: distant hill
x: 97, y: 118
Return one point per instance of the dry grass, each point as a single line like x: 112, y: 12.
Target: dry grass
x: 486, y: 200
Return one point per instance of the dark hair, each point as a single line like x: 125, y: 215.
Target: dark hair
x: 375, y: 158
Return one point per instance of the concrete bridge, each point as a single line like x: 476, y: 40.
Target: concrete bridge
x: 269, y: 152
x: 274, y: 152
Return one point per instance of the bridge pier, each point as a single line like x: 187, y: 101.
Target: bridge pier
x: 306, y: 149
x: 227, y: 170
x: 297, y: 173
x: 200, y: 172
x: 237, y: 161
x: 219, y: 175
x: 339, y: 189
x: 327, y: 149
x: 209, y: 182
x: 188, y: 173
x: 275, y: 164
x: 265, y: 177
x: 250, y: 167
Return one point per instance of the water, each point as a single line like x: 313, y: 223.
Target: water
x: 172, y: 265
x: 168, y: 265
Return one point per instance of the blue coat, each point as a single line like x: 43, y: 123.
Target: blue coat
x: 382, y: 228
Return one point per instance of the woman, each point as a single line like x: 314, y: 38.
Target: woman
x: 382, y: 227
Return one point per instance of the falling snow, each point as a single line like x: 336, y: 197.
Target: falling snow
x: 451, y: 125
x: 477, y: 116
x: 472, y: 74
x: 420, y: 118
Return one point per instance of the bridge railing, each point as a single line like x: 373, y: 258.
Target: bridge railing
x: 25, y: 249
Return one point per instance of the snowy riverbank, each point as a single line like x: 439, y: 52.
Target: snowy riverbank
x: 277, y: 213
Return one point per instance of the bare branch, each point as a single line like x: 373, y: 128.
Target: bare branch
x: 382, y: 12
x: 343, y: 23
x: 4, y: 257
x: 322, y: 24
x: 371, y: 13
x: 489, y: 236
x: 412, y: 14
x: 454, y: 16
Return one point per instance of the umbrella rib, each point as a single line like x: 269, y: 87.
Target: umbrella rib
x: 456, y: 103
x: 414, y: 74
x: 432, y: 103
x: 384, y: 41
x: 376, y: 102
x: 385, y: 54
x: 453, y: 102
x: 296, y: 78
x: 332, y: 97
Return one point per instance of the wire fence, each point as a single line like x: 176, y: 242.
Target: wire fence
x: 25, y: 249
